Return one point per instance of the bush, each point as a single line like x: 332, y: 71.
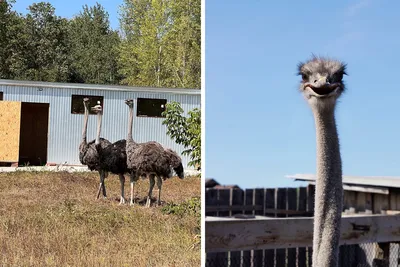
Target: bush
x: 185, y: 130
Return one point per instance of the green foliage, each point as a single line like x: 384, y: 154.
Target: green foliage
x: 185, y: 130
x: 189, y: 207
x: 158, y: 44
x: 46, y: 40
x: 93, y: 47
x: 161, y: 45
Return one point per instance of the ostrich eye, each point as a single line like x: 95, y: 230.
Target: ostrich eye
x: 304, y: 77
x: 338, y: 76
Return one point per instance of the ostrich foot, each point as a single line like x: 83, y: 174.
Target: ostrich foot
x: 148, y: 202
x: 158, y: 202
x: 132, y: 203
x: 122, y: 201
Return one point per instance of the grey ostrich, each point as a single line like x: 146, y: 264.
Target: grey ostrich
x: 112, y: 158
x: 321, y: 86
x: 88, y: 153
x: 151, y: 160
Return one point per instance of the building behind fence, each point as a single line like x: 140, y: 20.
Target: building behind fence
x: 361, y: 196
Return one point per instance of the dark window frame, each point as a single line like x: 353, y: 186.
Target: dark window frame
x: 145, y: 107
x: 1, y: 95
x: 77, y: 103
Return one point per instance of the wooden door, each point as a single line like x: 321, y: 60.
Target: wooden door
x: 10, y: 125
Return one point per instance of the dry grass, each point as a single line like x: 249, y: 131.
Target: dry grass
x: 53, y: 219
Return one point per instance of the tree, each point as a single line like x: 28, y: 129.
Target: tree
x: 185, y: 130
x: 46, y: 45
x: 161, y: 43
x: 93, y: 47
x: 11, y: 26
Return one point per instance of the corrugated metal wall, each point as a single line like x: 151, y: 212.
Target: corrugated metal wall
x: 65, y: 128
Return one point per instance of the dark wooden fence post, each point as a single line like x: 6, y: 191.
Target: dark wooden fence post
x: 269, y: 254
x: 281, y: 199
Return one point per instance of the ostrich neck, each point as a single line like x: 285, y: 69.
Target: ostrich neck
x: 85, y: 123
x: 328, y: 192
x: 130, y: 124
x: 99, y: 119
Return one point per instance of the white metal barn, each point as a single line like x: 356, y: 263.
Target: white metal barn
x: 48, y: 125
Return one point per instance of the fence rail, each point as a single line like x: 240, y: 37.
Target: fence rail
x: 229, y: 234
x: 239, y: 234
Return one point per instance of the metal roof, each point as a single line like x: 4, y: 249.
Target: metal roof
x: 100, y: 87
x: 382, y: 181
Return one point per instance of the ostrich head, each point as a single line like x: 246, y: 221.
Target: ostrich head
x: 129, y: 102
x: 175, y: 163
x: 322, y: 82
x: 98, y: 109
x: 86, y: 101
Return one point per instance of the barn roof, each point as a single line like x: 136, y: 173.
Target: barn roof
x: 373, y: 184
x: 99, y: 87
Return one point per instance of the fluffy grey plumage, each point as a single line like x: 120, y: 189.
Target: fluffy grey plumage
x: 175, y: 162
x: 87, y: 151
x: 112, y: 158
x: 322, y: 85
x: 150, y: 159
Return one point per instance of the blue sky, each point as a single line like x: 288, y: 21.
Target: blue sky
x: 258, y: 126
x: 68, y: 9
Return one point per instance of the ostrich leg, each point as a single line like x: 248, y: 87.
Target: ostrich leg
x: 101, y: 186
x: 152, y: 183
x: 122, y: 181
x: 133, y: 179
x: 159, y: 185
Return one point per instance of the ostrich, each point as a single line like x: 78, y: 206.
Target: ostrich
x: 88, y: 153
x: 113, y: 157
x: 149, y: 159
x: 321, y: 86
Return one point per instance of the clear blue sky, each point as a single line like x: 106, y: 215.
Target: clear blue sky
x: 258, y: 126
x: 70, y: 8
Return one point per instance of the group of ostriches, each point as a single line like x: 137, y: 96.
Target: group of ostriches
x: 148, y: 159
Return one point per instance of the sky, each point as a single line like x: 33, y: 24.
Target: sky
x: 70, y: 8
x: 258, y: 127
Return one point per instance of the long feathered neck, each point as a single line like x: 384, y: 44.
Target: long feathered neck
x: 99, y: 119
x: 329, y: 191
x: 130, y: 124
x: 85, y: 123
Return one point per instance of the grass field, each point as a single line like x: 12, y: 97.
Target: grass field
x: 53, y: 219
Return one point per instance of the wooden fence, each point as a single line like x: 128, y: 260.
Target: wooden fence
x: 233, y: 242
x: 281, y: 241
x: 276, y: 202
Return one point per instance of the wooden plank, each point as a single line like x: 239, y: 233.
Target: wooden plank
x: 269, y: 233
x: 311, y: 198
x: 349, y: 200
x: 360, y: 201
x: 380, y: 203
x: 281, y: 203
x: 269, y: 254
x: 397, y: 193
x: 368, y: 203
x: 310, y: 207
x: 258, y: 255
x: 291, y: 205
x: 10, y: 125
x: 247, y: 253
x: 211, y: 200
x: 237, y: 198
x: 224, y: 198
x: 302, y: 206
